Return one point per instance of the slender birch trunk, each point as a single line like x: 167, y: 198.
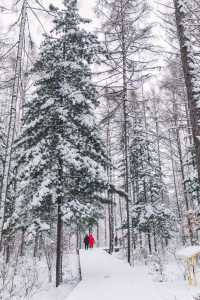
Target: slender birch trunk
x: 12, y: 120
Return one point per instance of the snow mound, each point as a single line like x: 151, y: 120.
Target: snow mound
x: 188, y: 252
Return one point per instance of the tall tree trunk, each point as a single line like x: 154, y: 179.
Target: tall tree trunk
x: 149, y: 241
x: 189, y: 75
x: 121, y: 218
x: 178, y: 141
x: 111, y: 227
x: 154, y: 239
x: 59, y: 244
x: 110, y: 195
x: 7, y: 251
x: 35, y: 249
x: 98, y: 237
x: 22, y: 242
x: 12, y: 120
x: 105, y: 227
x: 174, y: 179
x: 156, y: 109
x: 60, y: 191
x: 125, y: 129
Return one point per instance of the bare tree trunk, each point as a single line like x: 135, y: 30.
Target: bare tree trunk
x: 12, y: 120
x: 79, y: 264
x: 110, y: 195
x: 178, y: 141
x: 59, y: 244
x: 154, y: 239
x: 77, y: 236
x: 7, y: 251
x: 35, y: 250
x: 121, y: 218
x: 111, y: 227
x: 125, y: 130
x: 189, y: 76
x: 174, y: 179
x: 149, y: 241
x: 105, y: 227
x: 155, y: 108
x: 140, y: 239
x: 22, y: 243
x: 98, y: 238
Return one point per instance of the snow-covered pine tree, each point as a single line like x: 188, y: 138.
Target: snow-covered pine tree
x: 62, y: 158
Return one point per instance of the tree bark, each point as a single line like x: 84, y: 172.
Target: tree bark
x: 178, y: 141
x: 110, y: 195
x: 35, y: 250
x: 59, y: 244
x: 189, y: 76
x: 12, y: 120
x: 149, y: 241
x: 174, y: 179
x: 125, y: 130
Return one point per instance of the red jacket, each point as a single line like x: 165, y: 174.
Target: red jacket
x: 91, y: 240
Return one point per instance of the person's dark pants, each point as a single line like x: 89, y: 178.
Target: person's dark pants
x: 86, y: 246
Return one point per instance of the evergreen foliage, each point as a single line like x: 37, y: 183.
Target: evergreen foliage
x: 61, y: 153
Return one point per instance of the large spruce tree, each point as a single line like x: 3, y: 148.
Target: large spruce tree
x: 62, y: 158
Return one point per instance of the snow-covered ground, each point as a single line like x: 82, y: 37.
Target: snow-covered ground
x: 107, y: 277
x: 104, y: 277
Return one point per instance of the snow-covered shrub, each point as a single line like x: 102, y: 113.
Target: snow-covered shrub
x: 48, y: 247
x: 27, y: 277
x: 18, y: 279
x: 157, y: 267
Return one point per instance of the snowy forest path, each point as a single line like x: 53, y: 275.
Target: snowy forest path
x: 108, y: 278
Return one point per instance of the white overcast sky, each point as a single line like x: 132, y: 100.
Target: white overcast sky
x: 8, y: 18
x: 86, y: 10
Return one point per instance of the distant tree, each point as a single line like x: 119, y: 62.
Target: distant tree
x: 149, y: 212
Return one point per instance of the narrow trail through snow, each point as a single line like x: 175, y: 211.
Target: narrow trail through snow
x: 107, y: 278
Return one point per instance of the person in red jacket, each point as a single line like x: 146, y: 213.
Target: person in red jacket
x: 91, y: 240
